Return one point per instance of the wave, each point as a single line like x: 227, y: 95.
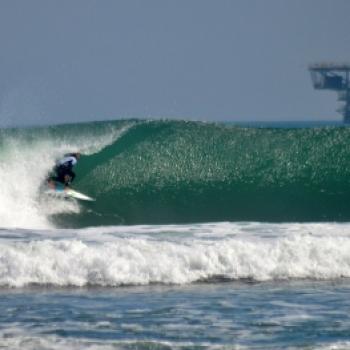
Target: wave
x: 158, y: 172
x: 132, y: 255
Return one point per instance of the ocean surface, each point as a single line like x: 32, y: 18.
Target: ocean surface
x: 202, y: 236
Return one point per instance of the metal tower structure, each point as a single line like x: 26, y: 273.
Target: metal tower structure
x: 334, y: 76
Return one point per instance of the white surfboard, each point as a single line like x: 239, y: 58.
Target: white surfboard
x: 67, y: 192
x: 75, y: 194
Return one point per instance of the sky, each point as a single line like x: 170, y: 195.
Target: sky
x: 213, y: 60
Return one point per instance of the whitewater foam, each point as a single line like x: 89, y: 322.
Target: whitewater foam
x: 16, y: 339
x: 118, y: 256
x: 25, y: 161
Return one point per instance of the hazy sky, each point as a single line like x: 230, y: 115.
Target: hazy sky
x: 77, y: 60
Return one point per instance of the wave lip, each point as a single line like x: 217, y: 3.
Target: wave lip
x: 132, y: 259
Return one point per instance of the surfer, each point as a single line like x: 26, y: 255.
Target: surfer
x: 64, y: 170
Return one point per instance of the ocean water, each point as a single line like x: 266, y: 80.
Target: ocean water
x: 202, y: 236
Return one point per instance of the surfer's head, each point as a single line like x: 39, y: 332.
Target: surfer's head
x: 76, y: 155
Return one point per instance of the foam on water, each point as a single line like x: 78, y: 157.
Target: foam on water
x: 26, y: 160
x: 44, y: 342
x: 141, y: 255
x: 40, y: 342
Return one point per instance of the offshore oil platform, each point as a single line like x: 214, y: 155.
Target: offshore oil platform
x: 334, y: 76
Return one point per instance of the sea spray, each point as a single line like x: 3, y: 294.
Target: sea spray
x: 26, y: 158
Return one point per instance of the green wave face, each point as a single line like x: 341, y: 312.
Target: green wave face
x: 175, y: 172
x: 178, y: 172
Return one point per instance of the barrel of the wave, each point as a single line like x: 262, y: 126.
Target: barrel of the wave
x: 180, y: 172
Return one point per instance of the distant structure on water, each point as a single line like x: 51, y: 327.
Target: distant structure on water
x: 334, y: 76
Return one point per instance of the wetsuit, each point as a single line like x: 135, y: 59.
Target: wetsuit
x: 64, y: 167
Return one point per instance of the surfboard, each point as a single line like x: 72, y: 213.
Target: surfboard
x: 59, y: 189
x: 78, y: 195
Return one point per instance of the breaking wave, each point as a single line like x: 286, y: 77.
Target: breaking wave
x: 174, y: 254
x: 160, y: 172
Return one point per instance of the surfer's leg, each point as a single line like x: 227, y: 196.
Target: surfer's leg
x: 67, y: 180
x: 60, y: 174
x: 59, y: 178
x: 71, y: 175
